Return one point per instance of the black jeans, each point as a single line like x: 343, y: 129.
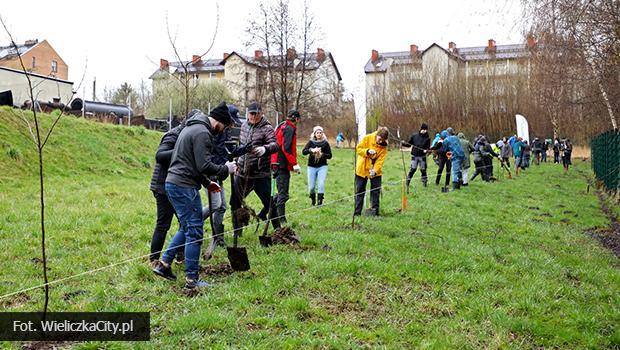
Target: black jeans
x: 242, y: 187
x: 165, y: 212
x: 443, y: 161
x: 283, y: 180
x: 488, y: 167
x: 360, y: 192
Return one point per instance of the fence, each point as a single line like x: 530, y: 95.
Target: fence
x: 606, y: 159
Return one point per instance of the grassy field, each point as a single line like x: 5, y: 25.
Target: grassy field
x: 502, y: 265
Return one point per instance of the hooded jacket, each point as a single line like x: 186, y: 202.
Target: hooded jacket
x: 366, y: 162
x: 192, y: 156
x: 163, y: 158
x: 467, y: 149
x: 452, y: 144
x: 252, y: 136
x: 418, y: 142
x: 506, y: 151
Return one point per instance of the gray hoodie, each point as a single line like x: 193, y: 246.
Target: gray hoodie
x: 191, y: 163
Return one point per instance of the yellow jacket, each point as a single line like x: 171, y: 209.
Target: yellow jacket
x: 365, y: 161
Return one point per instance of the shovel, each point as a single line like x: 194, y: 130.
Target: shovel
x: 237, y: 256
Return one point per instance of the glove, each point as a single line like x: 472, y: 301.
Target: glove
x: 214, y: 187
x: 259, y: 151
x: 232, y: 167
x: 297, y: 168
x: 371, y: 152
x: 373, y: 173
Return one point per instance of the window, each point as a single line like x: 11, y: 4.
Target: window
x: 54, y: 66
x: 247, y: 76
x: 34, y: 62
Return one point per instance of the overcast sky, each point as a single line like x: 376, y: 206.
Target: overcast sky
x: 124, y: 40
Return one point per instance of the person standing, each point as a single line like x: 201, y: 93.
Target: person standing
x: 318, y: 151
x: 165, y: 210
x: 567, y: 150
x: 216, y: 209
x: 253, y: 170
x: 452, y: 147
x: 371, y: 154
x: 420, y: 144
x: 526, y: 155
x: 545, y: 148
x: 517, y: 150
x: 191, y: 167
x: 506, y: 152
x: 478, y: 158
x: 536, y: 149
x: 556, y: 151
x: 467, y: 149
x: 339, y: 139
x: 442, y: 159
x: 285, y: 160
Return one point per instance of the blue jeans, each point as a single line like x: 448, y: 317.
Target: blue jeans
x: 316, y: 176
x: 186, y: 202
x: 456, y: 169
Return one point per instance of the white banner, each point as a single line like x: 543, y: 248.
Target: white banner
x: 522, y: 128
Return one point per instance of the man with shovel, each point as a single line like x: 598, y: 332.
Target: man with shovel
x: 371, y: 153
x: 253, y: 172
x: 192, y: 166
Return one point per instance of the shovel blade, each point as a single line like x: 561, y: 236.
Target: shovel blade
x: 238, y: 258
x: 265, y: 241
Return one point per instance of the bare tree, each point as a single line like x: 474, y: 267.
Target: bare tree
x: 40, y: 138
x: 276, y: 32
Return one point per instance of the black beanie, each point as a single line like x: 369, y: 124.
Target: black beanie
x: 424, y: 126
x: 292, y: 114
x: 221, y: 114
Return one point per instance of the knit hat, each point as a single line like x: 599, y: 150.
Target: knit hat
x: 293, y: 114
x: 424, y: 126
x: 314, y: 130
x: 221, y: 114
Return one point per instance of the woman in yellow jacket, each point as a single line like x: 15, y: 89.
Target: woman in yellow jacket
x: 371, y: 153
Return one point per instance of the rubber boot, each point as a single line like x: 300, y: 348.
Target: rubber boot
x: 320, y: 199
x: 313, y: 198
x: 281, y: 214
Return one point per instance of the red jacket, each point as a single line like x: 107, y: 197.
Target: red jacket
x: 286, y: 138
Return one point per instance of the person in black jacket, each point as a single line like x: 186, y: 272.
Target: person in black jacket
x: 192, y: 166
x: 319, y: 152
x: 420, y: 144
x: 165, y: 211
x: 217, y: 209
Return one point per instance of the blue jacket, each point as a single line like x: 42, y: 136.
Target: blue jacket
x: 516, y: 148
x: 451, y: 143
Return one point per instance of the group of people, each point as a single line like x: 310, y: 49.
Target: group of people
x: 200, y: 153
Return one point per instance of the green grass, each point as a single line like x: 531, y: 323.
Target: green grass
x: 503, y: 265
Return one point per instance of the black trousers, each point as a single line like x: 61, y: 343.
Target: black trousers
x: 283, y: 180
x: 488, y: 164
x: 443, y: 162
x: 360, y: 192
x: 165, y: 212
x: 243, y: 187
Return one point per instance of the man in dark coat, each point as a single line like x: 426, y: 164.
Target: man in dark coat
x: 165, y: 211
x: 192, y: 166
x: 420, y: 144
x: 254, y: 171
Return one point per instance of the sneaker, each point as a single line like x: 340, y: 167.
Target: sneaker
x: 154, y: 263
x: 165, y: 272
x: 195, y: 284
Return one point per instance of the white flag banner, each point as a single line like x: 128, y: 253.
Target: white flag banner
x: 522, y: 128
